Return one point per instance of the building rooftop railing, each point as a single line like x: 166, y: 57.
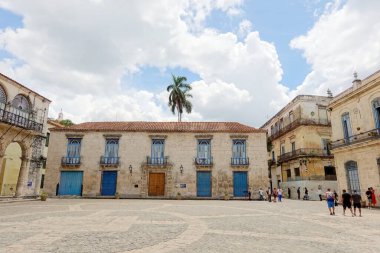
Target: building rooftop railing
x: 298, y: 122
x: 304, y: 152
x: 361, y: 137
x: 16, y: 117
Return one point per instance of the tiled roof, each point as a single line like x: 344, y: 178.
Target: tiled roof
x: 55, y: 123
x: 197, y: 127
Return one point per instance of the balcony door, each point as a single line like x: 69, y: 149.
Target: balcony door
x: 352, y: 176
x: 376, y: 112
x: 204, y: 151
x: 111, y: 151
x: 73, y: 149
x: 158, y: 151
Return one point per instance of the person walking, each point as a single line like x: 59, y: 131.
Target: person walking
x: 330, y: 197
x: 320, y: 194
x: 373, y: 197
x: 275, y: 195
x: 289, y: 193
x: 368, y: 193
x: 346, y: 200
x: 261, y: 194
x: 279, y: 193
x: 269, y: 193
x: 357, y: 199
x: 306, y: 196
x: 336, y: 198
x: 299, y: 192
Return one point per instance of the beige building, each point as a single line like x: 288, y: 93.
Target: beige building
x: 356, y: 135
x: 23, y: 117
x: 157, y: 159
x: 298, y: 147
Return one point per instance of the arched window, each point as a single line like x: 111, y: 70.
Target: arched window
x: 21, y: 102
x: 3, y: 96
x: 376, y: 111
x: 352, y: 176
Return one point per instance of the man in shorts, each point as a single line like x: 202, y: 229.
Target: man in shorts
x: 346, y: 200
x: 330, y: 201
x: 357, y: 199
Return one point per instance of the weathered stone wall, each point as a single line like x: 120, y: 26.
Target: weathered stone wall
x: 358, y: 103
x: 181, y: 148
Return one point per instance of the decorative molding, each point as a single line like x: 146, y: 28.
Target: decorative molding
x: 203, y: 136
x: 292, y: 137
x: 158, y: 136
x: 238, y: 136
x: 112, y: 136
x: 79, y: 136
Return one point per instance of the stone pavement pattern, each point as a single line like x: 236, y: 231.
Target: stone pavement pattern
x: 89, y: 225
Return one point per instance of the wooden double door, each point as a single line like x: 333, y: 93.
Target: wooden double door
x: 156, y: 184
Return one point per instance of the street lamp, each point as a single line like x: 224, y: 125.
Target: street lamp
x: 181, y: 169
x: 130, y: 169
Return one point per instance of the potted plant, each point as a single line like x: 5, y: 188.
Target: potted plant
x: 43, y: 196
x: 117, y: 195
x: 226, y: 196
x: 179, y: 197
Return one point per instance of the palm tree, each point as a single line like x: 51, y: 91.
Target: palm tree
x: 179, y: 93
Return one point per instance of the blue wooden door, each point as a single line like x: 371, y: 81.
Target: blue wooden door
x: 71, y: 183
x: 109, y: 179
x: 204, y: 184
x: 240, y: 184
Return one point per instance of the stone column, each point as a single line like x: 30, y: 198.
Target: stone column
x: 37, y: 185
x: 22, y: 177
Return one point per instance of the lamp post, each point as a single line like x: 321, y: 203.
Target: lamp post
x: 181, y: 169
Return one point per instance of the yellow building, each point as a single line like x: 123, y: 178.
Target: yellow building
x: 23, y: 117
x: 298, y: 147
x: 157, y: 159
x: 356, y: 135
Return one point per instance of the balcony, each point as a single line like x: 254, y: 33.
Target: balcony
x: 311, y: 178
x: 70, y: 161
x: 157, y: 161
x: 240, y: 161
x: 298, y: 122
x: 16, y: 117
x: 365, y: 136
x: 109, y: 161
x: 304, y: 152
x: 203, y: 161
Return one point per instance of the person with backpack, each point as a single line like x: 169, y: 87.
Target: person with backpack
x: 330, y: 198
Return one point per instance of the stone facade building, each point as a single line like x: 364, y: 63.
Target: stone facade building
x: 157, y: 159
x: 355, y: 115
x: 298, y: 147
x: 23, y: 117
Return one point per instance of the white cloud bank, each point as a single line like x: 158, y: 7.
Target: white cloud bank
x: 77, y: 52
x: 345, y: 38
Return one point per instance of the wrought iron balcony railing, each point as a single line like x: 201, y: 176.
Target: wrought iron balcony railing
x: 70, y: 160
x: 311, y: 178
x: 298, y: 122
x: 365, y: 136
x: 204, y: 161
x: 236, y: 161
x: 304, y: 152
x: 16, y: 117
x: 109, y: 161
x: 160, y: 161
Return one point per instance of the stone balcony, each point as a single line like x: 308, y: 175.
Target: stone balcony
x: 373, y: 134
x: 304, y: 152
x: 19, y: 118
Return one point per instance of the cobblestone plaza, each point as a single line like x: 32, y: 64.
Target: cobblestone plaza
x: 108, y: 225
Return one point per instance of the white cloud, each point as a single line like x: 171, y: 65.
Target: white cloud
x: 346, y: 38
x: 245, y: 27
x: 77, y: 52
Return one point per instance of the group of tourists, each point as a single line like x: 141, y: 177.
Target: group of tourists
x: 349, y: 200
x: 276, y: 194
